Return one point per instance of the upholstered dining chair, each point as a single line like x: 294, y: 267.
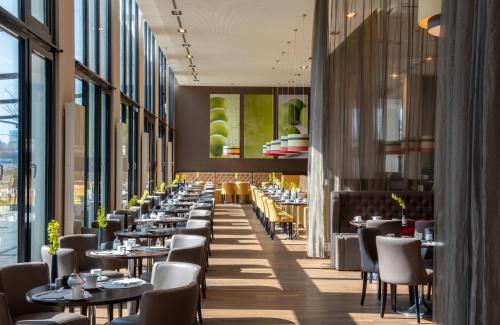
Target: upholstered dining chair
x: 400, y: 262
x: 242, y: 192
x: 174, y: 299
x: 277, y: 216
x: 80, y: 244
x: 15, y: 281
x: 369, y: 257
x: 112, y: 226
x: 125, y: 216
x: 203, y: 215
x: 228, y: 191
x: 190, y: 249
x: 386, y: 226
x: 66, y: 260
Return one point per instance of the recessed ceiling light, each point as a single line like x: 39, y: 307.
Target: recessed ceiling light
x: 189, y: 56
x: 429, y: 58
x: 186, y: 44
x: 297, y: 75
x: 196, y: 80
x: 304, y: 67
x: 176, y: 12
x: 394, y: 75
x: 192, y: 66
x: 351, y: 14
x: 283, y: 52
x: 182, y: 30
x: 274, y: 68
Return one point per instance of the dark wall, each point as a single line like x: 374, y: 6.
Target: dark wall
x: 192, y: 128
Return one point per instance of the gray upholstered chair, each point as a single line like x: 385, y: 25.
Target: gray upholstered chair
x: 369, y: 258
x: 204, y: 215
x: 80, y: 244
x: 400, y: 262
x: 66, y: 260
x: 113, y: 226
x: 190, y: 249
x: 125, y: 216
x: 386, y: 226
x: 15, y: 281
x: 173, y: 300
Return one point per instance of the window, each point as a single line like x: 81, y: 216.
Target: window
x: 149, y: 69
x: 129, y: 117
x: 162, y: 93
x: 129, y: 13
x: 92, y: 35
x: 11, y: 6
x: 39, y: 10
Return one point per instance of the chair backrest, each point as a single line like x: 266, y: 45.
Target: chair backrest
x: 368, y: 247
x: 192, y: 223
x: 200, y: 213
x: 66, y: 260
x: 228, y: 188
x: 386, y: 226
x: 203, y: 206
x: 170, y: 275
x: 17, y: 279
x: 188, y: 249
x: 272, y: 211
x: 175, y: 297
x: 204, y: 232
x: 400, y: 261
x: 243, y: 188
x: 113, y: 225
x: 80, y: 244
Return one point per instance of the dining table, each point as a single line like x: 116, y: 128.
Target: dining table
x: 103, y: 295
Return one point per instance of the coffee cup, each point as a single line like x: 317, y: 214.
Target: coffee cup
x: 98, y: 272
x: 91, y: 280
x: 376, y: 217
x: 77, y: 292
x: 357, y: 218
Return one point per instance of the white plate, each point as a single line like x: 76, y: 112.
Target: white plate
x: 86, y: 287
x: 70, y: 296
x: 102, y: 278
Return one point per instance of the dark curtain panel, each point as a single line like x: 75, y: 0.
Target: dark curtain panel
x: 382, y: 94
x: 467, y: 280
x: 317, y: 151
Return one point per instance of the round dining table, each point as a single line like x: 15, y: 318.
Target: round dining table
x: 99, y: 297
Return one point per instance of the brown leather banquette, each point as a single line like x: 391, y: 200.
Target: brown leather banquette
x: 345, y: 205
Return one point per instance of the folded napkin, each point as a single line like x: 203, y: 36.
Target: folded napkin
x: 123, y: 283
x: 52, y: 295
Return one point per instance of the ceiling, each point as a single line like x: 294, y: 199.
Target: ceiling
x: 235, y: 42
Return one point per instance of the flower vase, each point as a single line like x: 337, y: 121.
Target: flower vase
x: 53, y: 269
x: 100, y: 237
x: 403, y: 218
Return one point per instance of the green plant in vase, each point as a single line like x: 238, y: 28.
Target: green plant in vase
x: 163, y: 186
x: 102, y: 223
x: 402, y: 204
x: 53, y: 237
x: 132, y: 202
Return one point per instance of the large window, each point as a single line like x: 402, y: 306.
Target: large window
x: 129, y: 117
x: 162, y: 93
x: 149, y: 69
x: 97, y: 107
x: 26, y: 113
x: 129, y: 14
x: 92, y: 35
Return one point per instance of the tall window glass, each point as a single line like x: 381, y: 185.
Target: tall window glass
x: 104, y: 149
x: 90, y: 205
x: 103, y: 38
x: 9, y: 144
x: 38, y: 148
x: 92, y: 21
x: 39, y: 10
x: 79, y: 31
x: 11, y: 6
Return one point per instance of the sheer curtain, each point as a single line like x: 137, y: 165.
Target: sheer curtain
x: 467, y: 158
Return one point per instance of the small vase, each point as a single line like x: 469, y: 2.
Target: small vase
x: 403, y: 217
x: 53, y: 269
x: 100, y: 237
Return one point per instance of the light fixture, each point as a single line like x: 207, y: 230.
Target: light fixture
x: 335, y: 32
x: 304, y: 67
x: 284, y: 144
x: 196, y: 79
x: 298, y: 143
x: 429, y: 58
x: 176, y: 12
x: 429, y: 16
x: 394, y: 75
x: 192, y: 65
x: 189, y: 56
x: 351, y: 14
x: 182, y: 30
x: 186, y: 44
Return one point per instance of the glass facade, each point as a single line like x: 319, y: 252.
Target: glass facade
x: 149, y: 69
x: 129, y: 28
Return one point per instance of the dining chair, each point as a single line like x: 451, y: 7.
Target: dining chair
x: 190, y: 249
x: 66, y: 260
x: 228, y: 190
x: 80, y: 244
x: 400, y: 262
x: 203, y: 215
x: 125, y: 216
x: 174, y: 299
x: 276, y: 216
x: 386, y: 226
x: 15, y: 281
x: 369, y: 257
x: 242, y: 192
x: 112, y: 226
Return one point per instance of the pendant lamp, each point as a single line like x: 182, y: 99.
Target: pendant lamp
x: 429, y: 16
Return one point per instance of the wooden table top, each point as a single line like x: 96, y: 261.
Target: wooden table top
x: 138, y: 253
x: 99, y: 297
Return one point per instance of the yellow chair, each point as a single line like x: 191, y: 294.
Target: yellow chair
x: 228, y: 191
x: 265, y: 184
x: 282, y: 217
x: 242, y: 192
x: 218, y: 196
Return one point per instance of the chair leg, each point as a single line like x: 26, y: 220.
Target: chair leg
x: 120, y: 310
x: 363, y: 290
x: 417, y: 302
x: 429, y: 288
x: 378, y: 288
x: 200, y: 318
x: 394, y: 296
x: 384, y: 299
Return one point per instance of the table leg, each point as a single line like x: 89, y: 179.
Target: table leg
x: 91, y: 315
x: 110, y: 313
x: 131, y: 268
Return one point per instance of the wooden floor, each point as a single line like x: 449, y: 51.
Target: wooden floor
x: 254, y: 280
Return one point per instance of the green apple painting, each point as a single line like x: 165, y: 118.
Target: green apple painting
x: 224, y: 123
x: 293, y: 117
